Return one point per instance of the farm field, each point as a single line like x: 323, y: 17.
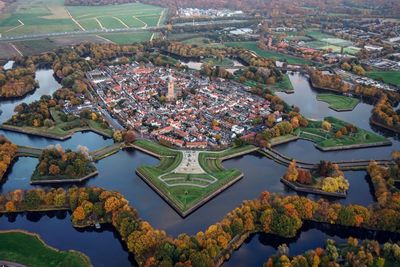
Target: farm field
x: 277, y: 56
x: 29, y: 249
x: 338, y: 102
x: 128, y: 37
x: 390, y: 77
x: 27, y: 17
x: 117, y: 16
x: 30, y: 17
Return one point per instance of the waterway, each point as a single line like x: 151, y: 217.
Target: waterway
x: 117, y: 172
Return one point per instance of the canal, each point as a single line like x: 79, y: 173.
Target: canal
x: 117, y: 172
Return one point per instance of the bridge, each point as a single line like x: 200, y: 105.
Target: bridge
x: 25, y: 151
x: 343, y: 165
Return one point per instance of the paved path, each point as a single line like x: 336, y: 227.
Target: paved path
x: 190, y: 163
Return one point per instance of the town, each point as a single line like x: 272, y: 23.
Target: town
x: 178, y: 108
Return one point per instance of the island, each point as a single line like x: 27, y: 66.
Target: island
x: 187, y: 179
x: 325, y: 179
x: 57, y: 165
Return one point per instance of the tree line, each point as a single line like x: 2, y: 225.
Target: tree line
x: 352, y: 253
x: 270, y: 213
x: 7, y: 154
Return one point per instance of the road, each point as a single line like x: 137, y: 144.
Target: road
x: 119, y: 30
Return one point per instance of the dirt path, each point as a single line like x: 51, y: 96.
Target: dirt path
x: 123, y: 23
x: 16, y: 27
x: 16, y: 49
x: 75, y: 21
x: 101, y: 25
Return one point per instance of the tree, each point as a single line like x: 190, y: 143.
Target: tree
x: 111, y: 204
x: 32, y: 199
x: 117, y: 136
x: 292, y: 172
x: 326, y: 125
x: 10, y: 206
x: 78, y: 214
x: 130, y: 137
x: 54, y: 169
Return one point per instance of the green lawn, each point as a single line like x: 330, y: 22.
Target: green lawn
x: 273, y: 55
x: 28, y: 249
x: 186, y: 190
x: 390, y: 77
x: 328, y: 140
x: 338, y: 102
x: 128, y: 37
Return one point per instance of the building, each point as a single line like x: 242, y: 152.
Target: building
x: 171, y: 89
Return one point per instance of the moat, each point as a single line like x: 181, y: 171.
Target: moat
x: 118, y: 173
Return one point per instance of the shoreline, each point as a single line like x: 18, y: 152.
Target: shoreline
x: 71, y: 180
x: 39, y: 133
x: 374, y: 122
x: 313, y: 191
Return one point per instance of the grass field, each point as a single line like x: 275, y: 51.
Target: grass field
x: 34, y: 17
x: 27, y: 17
x: 128, y: 37
x: 187, y: 190
x: 338, y: 102
x: 327, y: 140
x: 30, y: 250
x: 390, y: 77
x: 273, y: 55
x: 133, y: 15
x: 202, y: 42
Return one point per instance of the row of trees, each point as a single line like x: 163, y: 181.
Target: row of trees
x: 271, y: 213
x: 56, y: 163
x: 385, y: 114
x: 7, y: 153
x: 328, y: 81
x: 352, y: 253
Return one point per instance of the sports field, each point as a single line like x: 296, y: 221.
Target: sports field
x: 327, y: 42
x: 27, y: 17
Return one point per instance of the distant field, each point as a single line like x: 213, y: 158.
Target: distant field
x: 277, y: 56
x: 328, y: 42
x: 35, y: 16
x: 7, y: 51
x: 390, y: 77
x: 117, y: 16
x: 33, y: 47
